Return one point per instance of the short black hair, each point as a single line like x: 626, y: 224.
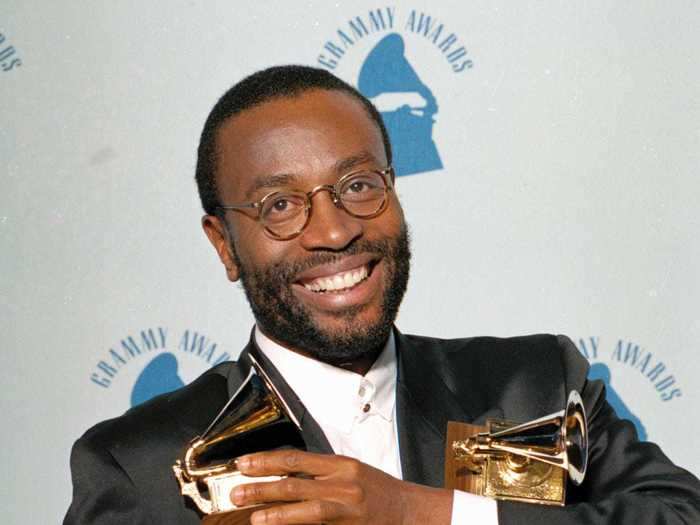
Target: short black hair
x: 258, y: 88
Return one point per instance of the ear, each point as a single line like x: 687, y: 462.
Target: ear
x: 218, y: 236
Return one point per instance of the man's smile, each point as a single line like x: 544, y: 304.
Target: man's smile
x: 349, y: 282
x: 338, y: 281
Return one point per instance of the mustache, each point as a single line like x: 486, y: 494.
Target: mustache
x: 287, y: 271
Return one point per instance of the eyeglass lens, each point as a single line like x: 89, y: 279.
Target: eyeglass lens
x: 361, y: 195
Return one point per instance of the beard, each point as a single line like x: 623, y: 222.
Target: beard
x: 281, y: 316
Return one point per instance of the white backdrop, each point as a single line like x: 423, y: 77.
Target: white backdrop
x: 567, y: 201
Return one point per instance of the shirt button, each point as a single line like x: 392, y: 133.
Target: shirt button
x: 366, y: 408
x: 361, y: 392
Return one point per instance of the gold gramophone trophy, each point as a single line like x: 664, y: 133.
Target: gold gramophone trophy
x: 529, y: 462
x: 256, y: 418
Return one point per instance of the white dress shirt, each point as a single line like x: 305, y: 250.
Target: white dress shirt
x: 358, y: 414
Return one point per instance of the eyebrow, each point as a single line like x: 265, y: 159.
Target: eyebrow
x: 272, y: 181
x: 345, y: 165
x: 277, y: 180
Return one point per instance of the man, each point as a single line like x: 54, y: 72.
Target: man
x: 294, y: 172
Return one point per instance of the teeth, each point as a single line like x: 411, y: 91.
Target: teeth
x: 339, y: 281
x: 348, y: 281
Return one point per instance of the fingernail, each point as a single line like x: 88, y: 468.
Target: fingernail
x: 238, y: 495
x: 243, y: 463
x: 258, y: 518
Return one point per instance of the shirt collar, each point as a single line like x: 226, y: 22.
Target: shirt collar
x: 334, y: 396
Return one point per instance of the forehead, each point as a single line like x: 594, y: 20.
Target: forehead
x: 306, y: 135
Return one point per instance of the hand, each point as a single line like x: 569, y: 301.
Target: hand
x: 341, y: 490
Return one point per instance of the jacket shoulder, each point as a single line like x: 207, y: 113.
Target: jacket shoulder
x: 496, y: 351
x: 503, y: 372
x: 156, y: 431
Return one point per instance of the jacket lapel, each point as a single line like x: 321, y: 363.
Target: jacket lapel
x: 424, y: 405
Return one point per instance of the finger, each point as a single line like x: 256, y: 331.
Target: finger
x: 292, y: 461
x: 316, y: 511
x: 295, y: 489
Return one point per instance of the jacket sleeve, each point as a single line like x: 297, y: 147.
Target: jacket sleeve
x: 103, y: 493
x: 627, y: 481
x: 122, y: 468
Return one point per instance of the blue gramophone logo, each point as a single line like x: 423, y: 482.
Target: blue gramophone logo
x: 407, y: 105
x: 159, y: 376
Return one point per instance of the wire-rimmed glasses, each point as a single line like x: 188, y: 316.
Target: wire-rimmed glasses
x: 284, y: 214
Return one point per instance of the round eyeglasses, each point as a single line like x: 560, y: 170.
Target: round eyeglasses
x: 284, y: 214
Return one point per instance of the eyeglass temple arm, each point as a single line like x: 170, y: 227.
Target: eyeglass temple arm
x: 239, y: 206
x: 391, y: 175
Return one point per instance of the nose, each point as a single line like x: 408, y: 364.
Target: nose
x: 329, y: 226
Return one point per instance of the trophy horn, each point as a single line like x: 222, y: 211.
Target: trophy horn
x: 518, y: 455
x: 254, y: 419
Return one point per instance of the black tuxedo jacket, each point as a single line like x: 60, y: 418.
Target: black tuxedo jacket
x: 122, y: 468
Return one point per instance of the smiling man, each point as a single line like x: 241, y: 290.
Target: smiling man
x: 323, y: 252
x: 294, y: 172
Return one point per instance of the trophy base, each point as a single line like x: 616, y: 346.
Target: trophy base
x: 234, y: 517
x: 536, y: 482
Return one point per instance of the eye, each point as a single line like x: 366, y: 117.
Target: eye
x: 280, y: 205
x: 363, y: 182
x: 358, y: 186
x: 365, y: 185
x: 283, y: 206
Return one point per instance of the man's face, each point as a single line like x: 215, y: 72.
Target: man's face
x: 300, y: 143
